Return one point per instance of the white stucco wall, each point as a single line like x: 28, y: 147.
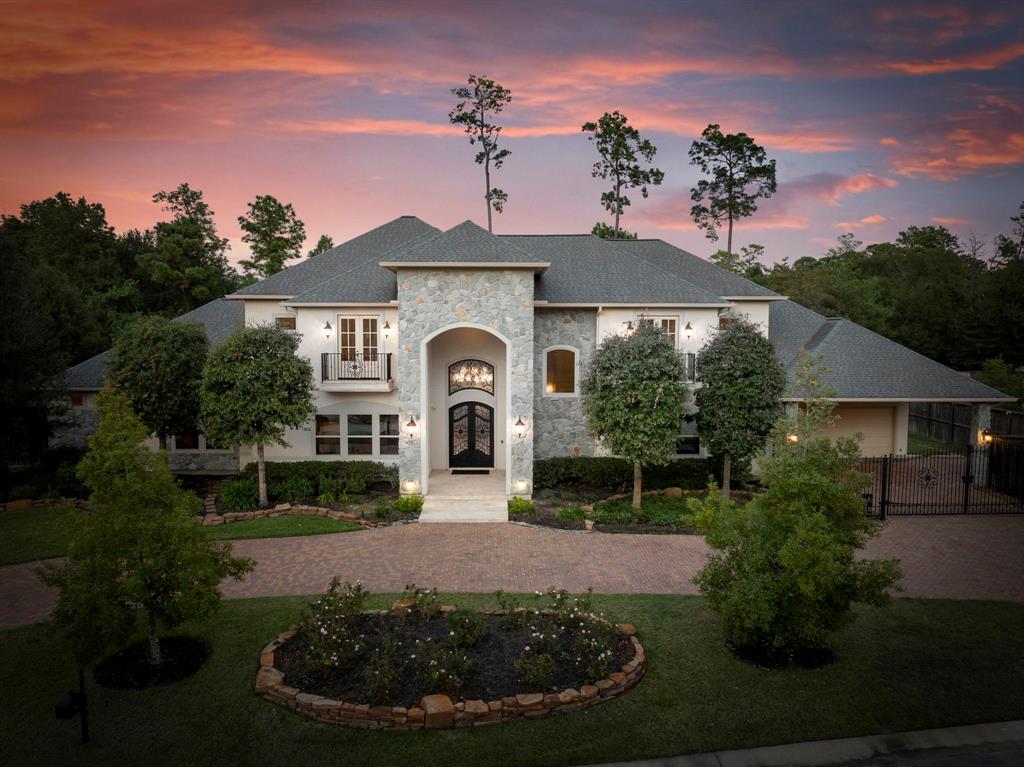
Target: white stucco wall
x: 704, y: 321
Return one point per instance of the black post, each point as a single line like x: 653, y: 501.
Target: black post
x: 82, y: 710
x: 968, y: 478
x: 884, y: 502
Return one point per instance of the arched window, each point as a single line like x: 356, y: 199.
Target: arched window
x: 560, y: 372
x: 471, y: 374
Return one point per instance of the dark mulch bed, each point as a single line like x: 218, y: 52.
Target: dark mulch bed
x: 492, y: 674
x: 767, y: 657
x: 546, y: 516
x: 130, y: 669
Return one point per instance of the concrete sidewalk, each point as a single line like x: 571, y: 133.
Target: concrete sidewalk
x: 996, y: 743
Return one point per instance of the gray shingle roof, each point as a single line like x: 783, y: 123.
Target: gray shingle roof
x: 313, y: 272
x: 465, y: 243
x: 861, y: 363
x: 587, y: 269
x: 219, y: 318
x: 693, y: 268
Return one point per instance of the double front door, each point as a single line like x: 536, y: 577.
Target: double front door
x: 471, y: 435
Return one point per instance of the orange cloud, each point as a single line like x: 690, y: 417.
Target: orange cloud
x: 872, y: 220
x: 974, y: 61
x: 951, y: 220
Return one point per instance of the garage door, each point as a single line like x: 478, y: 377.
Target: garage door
x: 876, y: 424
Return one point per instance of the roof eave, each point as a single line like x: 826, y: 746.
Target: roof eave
x: 537, y: 266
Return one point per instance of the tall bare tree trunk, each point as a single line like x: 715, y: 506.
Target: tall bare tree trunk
x: 727, y: 475
x: 638, y: 479
x: 618, y: 208
x: 730, y: 234
x: 154, y: 642
x: 487, y: 191
x: 261, y: 471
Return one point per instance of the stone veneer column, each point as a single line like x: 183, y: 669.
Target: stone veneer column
x: 500, y: 300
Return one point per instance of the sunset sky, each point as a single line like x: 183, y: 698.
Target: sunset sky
x: 880, y: 115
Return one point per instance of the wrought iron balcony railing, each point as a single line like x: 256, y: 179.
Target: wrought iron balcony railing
x: 355, y: 366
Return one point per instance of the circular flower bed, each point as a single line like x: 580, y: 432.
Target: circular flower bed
x: 424, y: 664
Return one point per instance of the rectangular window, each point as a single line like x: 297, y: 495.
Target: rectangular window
x: 328, y: 434
x: 668, y: 326
x: 688, y: 442
x: 189, y: 441
x: 288, y: 323
x: 561, y: 371
x: 360, y: 435
x: 389, y: 434
x: 369, y: 338
x: 77, y: 399
x: 347, y: 338
x: 724, y: 320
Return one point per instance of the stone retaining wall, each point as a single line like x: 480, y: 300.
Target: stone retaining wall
x: 282, y: 509
x: 439, y: 711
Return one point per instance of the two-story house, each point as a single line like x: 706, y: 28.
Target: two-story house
x: 462, y: 350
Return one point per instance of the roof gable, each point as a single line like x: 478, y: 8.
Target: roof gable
x: 466, y: 243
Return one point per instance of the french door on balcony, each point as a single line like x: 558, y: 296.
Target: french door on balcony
x: 358, y: 339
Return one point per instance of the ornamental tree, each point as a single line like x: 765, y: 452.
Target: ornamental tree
x: 273, y: 233
x: 635, y: 399
x: 623, y: 154
x: 326, y: 242
x: 784, y: 574
x: 741, y: 173
x: 740, y: 399
x: 254, y: 387
x: 477, y: 106
x: 138, y: 548
x: 158, y: 364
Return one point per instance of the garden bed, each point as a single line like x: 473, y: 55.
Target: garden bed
x: 422, y: 664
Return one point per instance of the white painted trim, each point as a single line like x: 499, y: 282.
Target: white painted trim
x: 340, y: 303
x: 242, y: 297
x: 424, y: 404
x: 575, y: 372
x: 396, y: 265
x: 882, y: 400
x: 756, y: 298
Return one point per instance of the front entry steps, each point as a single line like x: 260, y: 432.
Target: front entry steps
x: 465, y: 498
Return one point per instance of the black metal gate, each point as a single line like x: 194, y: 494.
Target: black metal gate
x: 964, y: 480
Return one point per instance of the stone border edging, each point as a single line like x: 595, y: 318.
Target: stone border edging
x: 439, y: 711
x: 282, y: 509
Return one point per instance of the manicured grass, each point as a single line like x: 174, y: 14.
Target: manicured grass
x: 40, y: 532
x: 280, y: 527
x: 916, y: 445
x: 654, y: 510
x: 913, y: 665
x: 36, y: 533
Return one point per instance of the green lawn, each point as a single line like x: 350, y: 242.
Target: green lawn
x: 914, y: 665
x: 36, y: 533
x: 39, y: 533
x: 916, y: 445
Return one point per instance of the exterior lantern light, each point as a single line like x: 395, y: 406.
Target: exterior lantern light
x: 792, y: 438
x: 519, y: 428
x: 386, y: 331
x: 986, y: 436
x: 411, y: 487
x: 327, y: 330
x: 688, y: 331
x: 412, y: 428
x: 521, y: 485
x: 628, y: 329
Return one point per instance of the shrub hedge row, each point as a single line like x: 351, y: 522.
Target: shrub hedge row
x: 617, y: 473
x: 349, y: 477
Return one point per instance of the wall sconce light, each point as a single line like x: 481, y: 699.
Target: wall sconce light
x: 792, y: 438
x: 549, y: 388
x: 326, y: 331
x: 628, y: 329
x: 519, y: 428
x: 521, y: 486
x: 986, y: 436
x: 412, y: 428
x: 688, y: 331
x: 386, y: 331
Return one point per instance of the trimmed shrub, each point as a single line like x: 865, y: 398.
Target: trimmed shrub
x: 617, y: 473
x: 239, y: 495
x: 409, y: 504
x: 291, y: 489
x: 336, y: 478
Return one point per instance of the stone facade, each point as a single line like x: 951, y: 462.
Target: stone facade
x: 561, y: 428
x: 499, y: 300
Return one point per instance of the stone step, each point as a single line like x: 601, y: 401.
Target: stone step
x: 457, y: 510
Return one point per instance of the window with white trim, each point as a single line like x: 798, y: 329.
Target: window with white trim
x: 389, y: 434
x: 360, y: 434
x: 358, y: 338
x: 560, y: 372
x: 328, y: 434
x: 286, y: 321
x: 668, y: 325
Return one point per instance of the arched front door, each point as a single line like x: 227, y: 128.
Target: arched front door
x: 471, y: 435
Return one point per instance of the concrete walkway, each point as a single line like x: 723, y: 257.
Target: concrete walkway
x: 952, y: 557
x: 976, y: 745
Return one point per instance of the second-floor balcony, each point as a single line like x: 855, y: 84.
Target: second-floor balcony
x: 356, y: 371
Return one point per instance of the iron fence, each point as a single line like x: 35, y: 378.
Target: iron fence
x: 355, y: 366
x: 959, y: 480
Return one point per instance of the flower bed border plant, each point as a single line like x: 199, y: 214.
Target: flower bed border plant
x: 287, y: 509
x: 438, y: 711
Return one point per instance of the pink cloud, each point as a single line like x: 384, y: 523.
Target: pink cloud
x: 951, y: 220
x: 872, y: 220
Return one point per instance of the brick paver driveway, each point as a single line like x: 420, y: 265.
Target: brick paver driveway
x: 954, y: 557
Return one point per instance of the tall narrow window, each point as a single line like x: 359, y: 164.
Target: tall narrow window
x: 360, y: 435
x: 347, y: 338
x: 369, y: 338
x: 389, y: 434
x: 560, y: 371
x: 328, y: 434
